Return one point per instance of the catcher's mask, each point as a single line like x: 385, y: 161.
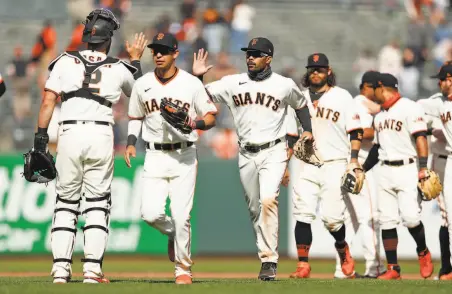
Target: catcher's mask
x: 99, y: 26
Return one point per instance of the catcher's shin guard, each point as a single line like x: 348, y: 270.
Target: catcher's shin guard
x: 63, y: 234
x: 97, y: 215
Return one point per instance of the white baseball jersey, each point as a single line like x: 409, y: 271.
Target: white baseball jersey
x: 429, y: 104
x: 258, y: 107
x: 442, y: 108
x: 108, y: 81
x: 364, y: 107
x: 183, y: 89
x: 333, y: 116
x: 394, y: 129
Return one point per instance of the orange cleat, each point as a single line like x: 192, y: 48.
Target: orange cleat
x: 183, y: 280
x: 347, y: 262
x: 447, y: 277
x: 171, y: 254
x: 393, y: 273
x: 303, y: 271
x: 93, y: 280
x: 425, y: 264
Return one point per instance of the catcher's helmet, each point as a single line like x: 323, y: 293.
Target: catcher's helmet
x: 99, y: 26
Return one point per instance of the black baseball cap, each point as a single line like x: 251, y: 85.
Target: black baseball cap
x: 387, y: 80
x: 164, y: 39
x: 318, y: 60
x: 260, y: 44
x: 369, y: 77
x: 444, y: 72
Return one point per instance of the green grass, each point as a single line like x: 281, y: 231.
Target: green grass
x: 133, y: 264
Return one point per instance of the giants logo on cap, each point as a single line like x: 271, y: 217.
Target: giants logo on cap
x: 253, y: 42
x: 160, y: 36
x: 93, y: 31
x: 315, y: 58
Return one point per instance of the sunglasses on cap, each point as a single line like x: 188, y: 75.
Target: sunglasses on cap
x: 312, y: 70
x: 255, y: 54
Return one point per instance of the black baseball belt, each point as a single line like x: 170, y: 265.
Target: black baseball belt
x: 257, y: 148
x: 443, y: 156
x: 83, y: 122
x: 169, y: 147
x: 398, y: 162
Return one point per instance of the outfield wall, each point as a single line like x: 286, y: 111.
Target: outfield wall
x: 220, y: 220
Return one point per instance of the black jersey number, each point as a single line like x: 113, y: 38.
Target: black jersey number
x: 95, y: 80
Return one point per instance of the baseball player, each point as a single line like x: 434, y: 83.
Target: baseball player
x: 258, y: 101
x: 170, y: 165
x: 441, y: 107
x: 89, y: 83
x: 338, y: 134
x: 362, y: 213
x: 400, y: 137
x: 438, y: 148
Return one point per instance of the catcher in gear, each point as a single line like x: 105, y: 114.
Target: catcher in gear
x: 401, y: 137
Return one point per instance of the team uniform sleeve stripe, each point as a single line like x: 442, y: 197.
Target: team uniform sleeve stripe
x: 50, y: 90
x: 292, y: 134
x: 355, y: 129
x: 211, y: 112
x: 136, y: 118
x: 419, y: 131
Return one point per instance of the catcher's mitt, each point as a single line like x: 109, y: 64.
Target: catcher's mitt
x: 429, y: 185
x: 176, y: 116
x: 39, y: 166
x: 352, y: 181
x: 304, y: 150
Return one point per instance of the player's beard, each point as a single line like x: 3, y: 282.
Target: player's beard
x: 445, y: 90
x: 317, y: 85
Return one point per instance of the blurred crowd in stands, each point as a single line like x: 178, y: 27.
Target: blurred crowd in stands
x: 223, y: 31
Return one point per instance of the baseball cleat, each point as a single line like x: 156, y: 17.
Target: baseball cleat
x: 268, y: 271
x: 347, y: 262
x: 93, y: 280
x: 425, y: 264
x: 60, y: 280
x: 393, y: 273
x: 446, y: 277
x: 303, y: 271
x: 171, y: 253
x: 184, y: 280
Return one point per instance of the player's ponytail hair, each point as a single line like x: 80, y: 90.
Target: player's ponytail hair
x: 330, y: 80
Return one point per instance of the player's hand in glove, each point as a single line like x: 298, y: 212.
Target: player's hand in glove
x: 176, y: 116
x: 429, y: 185
x: 305, y: 151
x: 353, y: 179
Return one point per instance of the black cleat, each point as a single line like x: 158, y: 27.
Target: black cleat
x: 268, y: 271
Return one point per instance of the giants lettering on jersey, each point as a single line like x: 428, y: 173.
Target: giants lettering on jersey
x: 445, y: 117
x: 325, y: 113
x: 152, y: 105
x: 261, y: 99
x: 390, y: 124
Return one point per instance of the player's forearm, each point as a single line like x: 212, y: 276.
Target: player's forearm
x: 291, y: 140
x: 305, y: 118
x: 206, y: 123
x: 372, y: 158
x: 368, y: 134
x: 133, y: 131
x: 356, y: 137
x: 422, y: 150
x: 46, y: 110
x: 137, y: 64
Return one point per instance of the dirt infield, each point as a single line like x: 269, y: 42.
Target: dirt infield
x: 199, y: 275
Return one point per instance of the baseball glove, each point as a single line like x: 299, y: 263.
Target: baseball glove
x: 39, y: 166
x: 304, y: 150
x: 352, y: 180
x: 176, y: 116
x: 429, y: 185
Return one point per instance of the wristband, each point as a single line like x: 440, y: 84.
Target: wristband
x: 423, y: 162
x: 354, y: 154
x: 131, y: 140
x: 42, y: 130
x: 200, y: 78
x: 429, y: 131
x: 200, y: 125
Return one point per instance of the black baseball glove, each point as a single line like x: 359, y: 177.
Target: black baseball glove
x: 39, y: 164
x: 176, y: 116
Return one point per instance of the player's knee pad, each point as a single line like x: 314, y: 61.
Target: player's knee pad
x: 95, y: 230
x: 63, y: 232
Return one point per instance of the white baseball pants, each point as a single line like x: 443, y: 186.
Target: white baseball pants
x: 261, y: 174
x: 171, y: 174
x: 84, y: 158
x: 447, y: 198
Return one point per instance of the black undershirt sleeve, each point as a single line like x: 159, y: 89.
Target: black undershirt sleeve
x: 305, y: 119
x: 372, y: 158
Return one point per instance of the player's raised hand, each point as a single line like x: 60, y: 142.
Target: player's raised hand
x: 136, y: 50
x: 199, y: 62
x: 131, y: 151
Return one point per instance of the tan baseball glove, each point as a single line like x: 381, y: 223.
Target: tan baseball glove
x: 429, y: 185
x: 353, y: 179
x: 304, y: 150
